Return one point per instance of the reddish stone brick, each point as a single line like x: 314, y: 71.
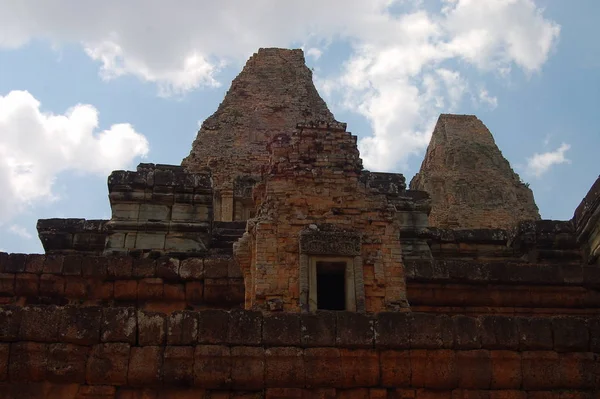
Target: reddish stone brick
x: 15, y: 263
x: 378, y: 393
x: 474, y: 369
x: 470, y: 394
x: 126, y: 290
x: 360, y: 368
x: 247, y: 367
x: 283, y: 393
x: 95, y: 266
x: 182, y: 328
x: 579, y: 371
x: 119, y: 325
x: 427, y: 394
x: 213, y: 326
x: 318, y: 329
x: 212, y: 366
x: 66, y: 363
x: 40, y: 323
x: 434, y: 369
x: 52, y: 285
x: 194, y: 292
x: 570, y: 334
x: 284, y: 367
x: 10, y: 323
x: 72, y: 265
x: 430, y: 331
x: 534, y: 333
x: 35, y: 263
x: 506, y: 370
x: 98, y: 289
x: 323, y: 367
x: 174, y: 292
x: 281, y: 329
x: 245, y: 327
x: 191, y: 269
x: 60, y: 391
x: 132, y: 393
x: 152, y: 328
x: 108, y: 364
x: 216, y: 267
x: 216, y: 291
x: 178, y: 365
x: 183, y: 393
x: 76, y: 287
x: 354, y: 330
x: 120, y: 267
x: 541, y: 370
x: 80, y: 325
x: 395, y: 368
x: 96, y: 392
x: 508, y: 394
x: 27, y: 362
x: 319, y: 393
x: 7, y: 284
x: 53, y: 264
x: 392, y: 330
x: 357, y: 393
x: 167, y: 268
x: 150, y: 288
x: 4, y: 351
x: 403, y: 394
x: 145, y: 366
x: 467, y: 332
x: 27, y: 284
x: 144, y: 268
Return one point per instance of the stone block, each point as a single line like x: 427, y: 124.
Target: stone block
x: 154, y: 213
x: 506, y: 369
x: 318, y: 329
x: 150, y: 288
x: 7, y: 284
x: 247, y: 367
x: 35, y: 263
x: 541, y: 370
x: 10, y: 323
x: 52, y: 285
x: 145, y: 366
x: 108, y: 364
x: 120, y: 267
x: 27, y: 284
x: 76, y: 287
x: 167, y: 269
x: 66, y: 363
x: 152, y: 328
x: 213, y: 326
x: 27, y: 362
x: 216, y: 291
x: 125, y: 290
x: 216, y: 267
x: 182, y: 328
x: 80, y: 325
x: 191, y: 269
x: 154, y: 241
x: 94, y: 266
x: 4, y: 352
x: 96, y: 392
x: 125, y: 211
x: 395, y: 368
x: 212, y: 366
x: 392, y: 330
x: 53, y: 264
x: 570, y: 334
x: 474, y: 369
x: 178, y: 365
x: 284, y: 393
x: 185, y: 242
x: 144, y: 268
x: 102, y: 290
x: 360, y: 368
x: 594, y: 331
x: 434, y: 369
x: 194, y: 292
x: 579, y: 371
x: 72, y: 265
x: 284, y: 367
x: 40, y: 323
x: 534, y: 333
x: 119, y: 325
x: 15, y: 263
x: 431, y: 331
x: 323, y: 367
x: 281, y: 329
x: 499, y: 332
x: 354, y: 330
x: 467, y: 332
x: 245, y: 327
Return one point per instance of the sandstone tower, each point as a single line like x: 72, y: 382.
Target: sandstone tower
x: 271, y: 95
x: 471, y: 184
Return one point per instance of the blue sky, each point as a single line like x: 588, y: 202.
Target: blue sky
x: 88, y: 89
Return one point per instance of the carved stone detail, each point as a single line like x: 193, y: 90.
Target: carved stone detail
x: 330, y: 243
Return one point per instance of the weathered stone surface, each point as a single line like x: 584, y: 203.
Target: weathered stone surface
x: 471, y: 184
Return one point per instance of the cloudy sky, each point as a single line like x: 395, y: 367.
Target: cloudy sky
x: 90, y: 87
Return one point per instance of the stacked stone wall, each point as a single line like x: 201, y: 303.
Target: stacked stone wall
x: 89, y: 352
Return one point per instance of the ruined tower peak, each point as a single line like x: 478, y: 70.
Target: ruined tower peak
x: 273, y: 93
x: 471, y: 184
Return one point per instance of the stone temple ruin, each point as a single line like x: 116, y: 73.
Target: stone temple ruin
x: 272, y: 265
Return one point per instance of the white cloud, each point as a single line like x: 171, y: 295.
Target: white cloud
x: 539, y: 164
x: 486, y: 98
x: 396, y: 75
x: 20, y: 231
x: 36, y: 146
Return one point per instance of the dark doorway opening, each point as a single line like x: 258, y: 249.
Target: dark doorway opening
x: 331, y: 285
